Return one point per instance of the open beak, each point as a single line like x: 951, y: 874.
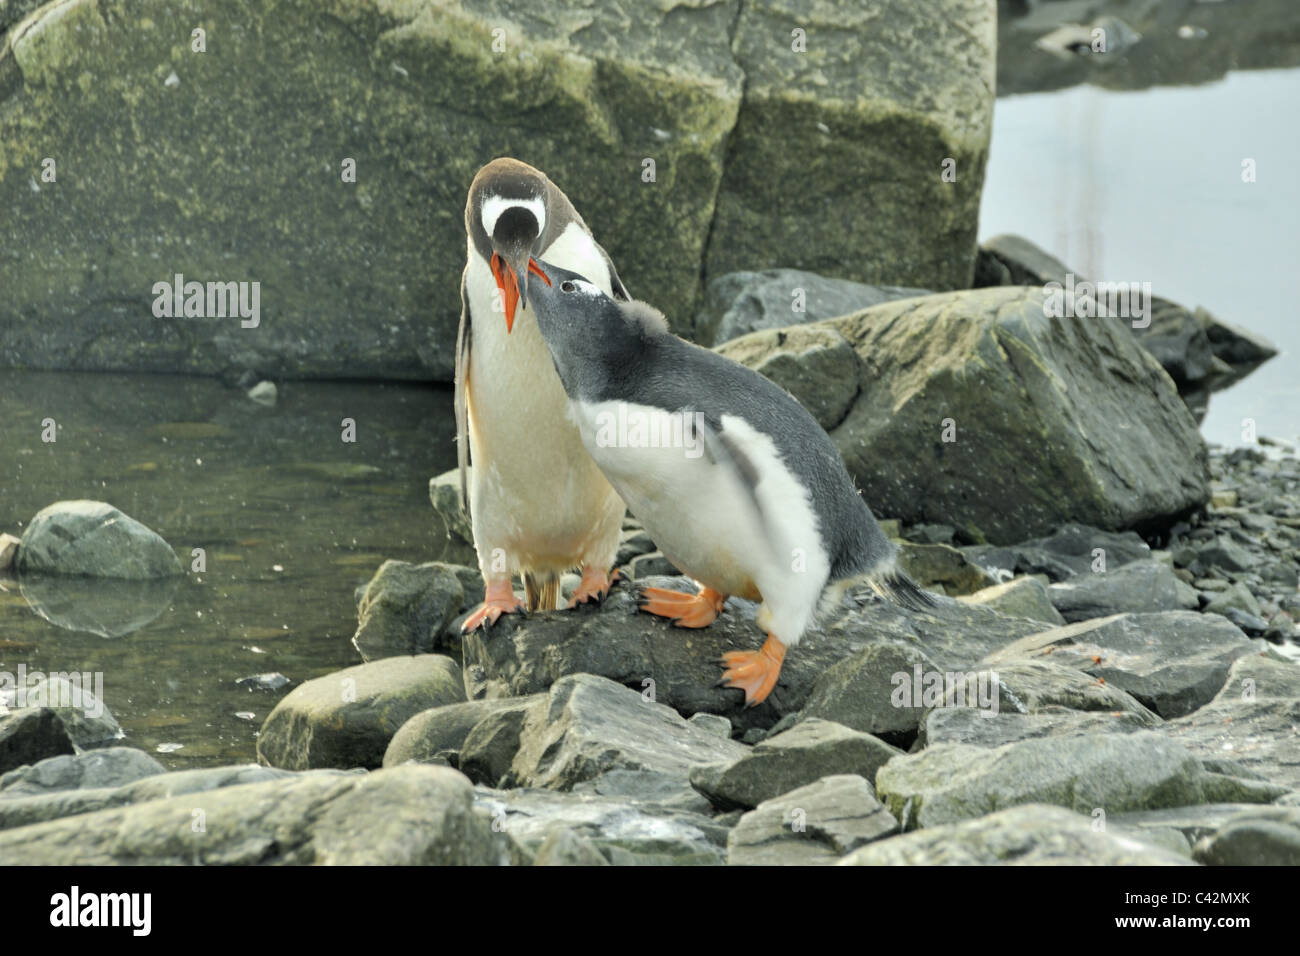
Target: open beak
x: 514, y: 285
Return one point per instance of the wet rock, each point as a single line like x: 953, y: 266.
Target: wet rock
x: 1023, y: 262
x: 521, y: 656
x: 31, y: 735
x: 944, y: 566
x: 598, y: 71
x: 95, y: 794
x: 346, y: 719
x: 1073, y: 549
x: 982, y: 728
x: 588, y: 725
x: 264, y: 393
x: 1140, y: 771
x: 738, y: 303
x: 862, y: 692
x: 412, y: 815
x: 1191, y: 824
x: 814, y: 825
x: 405, y: 609
x: 1258, y: 836
x: 1020, y: 597
x: 624, y: 832
x: 932, y: 99
x: 786, y: 761
x: 1030, y: 835
x: 270, y: 681
x: 712, y: 723
x: 1140, y: 586
x: 109, y: 607
x: 1173, y: 662
x: 563, y: 847
x: 83, y: 714
x: 110, y: 767
x: 437, y: 734
x: 491, y: 745
x: 1030, y: 686
x: 94, y: 539
x: 815, y: 365
x: 999, y: 420
x: 1254, y: 721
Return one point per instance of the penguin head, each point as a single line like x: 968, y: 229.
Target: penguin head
x: 506, y: 215
x: 590, y: 335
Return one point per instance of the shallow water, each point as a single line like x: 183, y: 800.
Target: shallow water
x: 292, y: 520
x: 1147, y: 186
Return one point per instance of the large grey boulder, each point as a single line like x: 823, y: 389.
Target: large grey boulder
x: 1141, y: 586
x: 621, y: 831
x: 404, y: 816
x: 358, y: 253
x: 967, y: 725
x: 1173, y: 662
x: 880, y: 97
x: 357, y: 278
x: 738, y: 303
x: 791, y: 759
x: 1258, y: 836
x: 1139, y: 771
x: 108, y: 767
x: 1252, y: 721
x: 814, y: 825
x: 438, y: 734
x: 346, y: 719
x: 520, y: 656
x: 98, y: 791
x: 587, y: 726
x: 405, y: 607
x: 1031, y: 835
x: 85, y: 717
x: 94, y: 539
x: 976, y: 410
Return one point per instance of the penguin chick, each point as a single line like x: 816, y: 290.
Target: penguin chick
x: 537, y: 502
x: 732, y: 478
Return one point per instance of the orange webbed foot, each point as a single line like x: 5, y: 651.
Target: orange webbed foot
x: 499, y: 599
x: 754, y: 672
x: 684, y: 610
x: 595, y: 585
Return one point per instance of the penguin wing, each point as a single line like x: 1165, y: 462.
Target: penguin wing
x: 461, y: 401
x: 722, y: 450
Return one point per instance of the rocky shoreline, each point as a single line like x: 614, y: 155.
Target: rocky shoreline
x: 1044, y: 711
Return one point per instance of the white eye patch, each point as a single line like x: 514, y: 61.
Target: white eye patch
x: 581, y: 287
x: 494, y: 206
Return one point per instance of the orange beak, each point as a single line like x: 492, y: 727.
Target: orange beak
x: 509, y: 285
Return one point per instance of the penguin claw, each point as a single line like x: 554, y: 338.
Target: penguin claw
x: 595, y: 586
x: 754, y: 672
x: 683, y: 610
x: 500, y: 599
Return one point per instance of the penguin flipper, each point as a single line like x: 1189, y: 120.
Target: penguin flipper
x: 461, y: 400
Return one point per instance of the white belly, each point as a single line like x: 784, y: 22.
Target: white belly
x: 761, y: 545
x: 537, y: 500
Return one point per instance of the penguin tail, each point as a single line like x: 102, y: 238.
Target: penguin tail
x: 542, y: 591
x: 896, y: 586
x: 888, y: 581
